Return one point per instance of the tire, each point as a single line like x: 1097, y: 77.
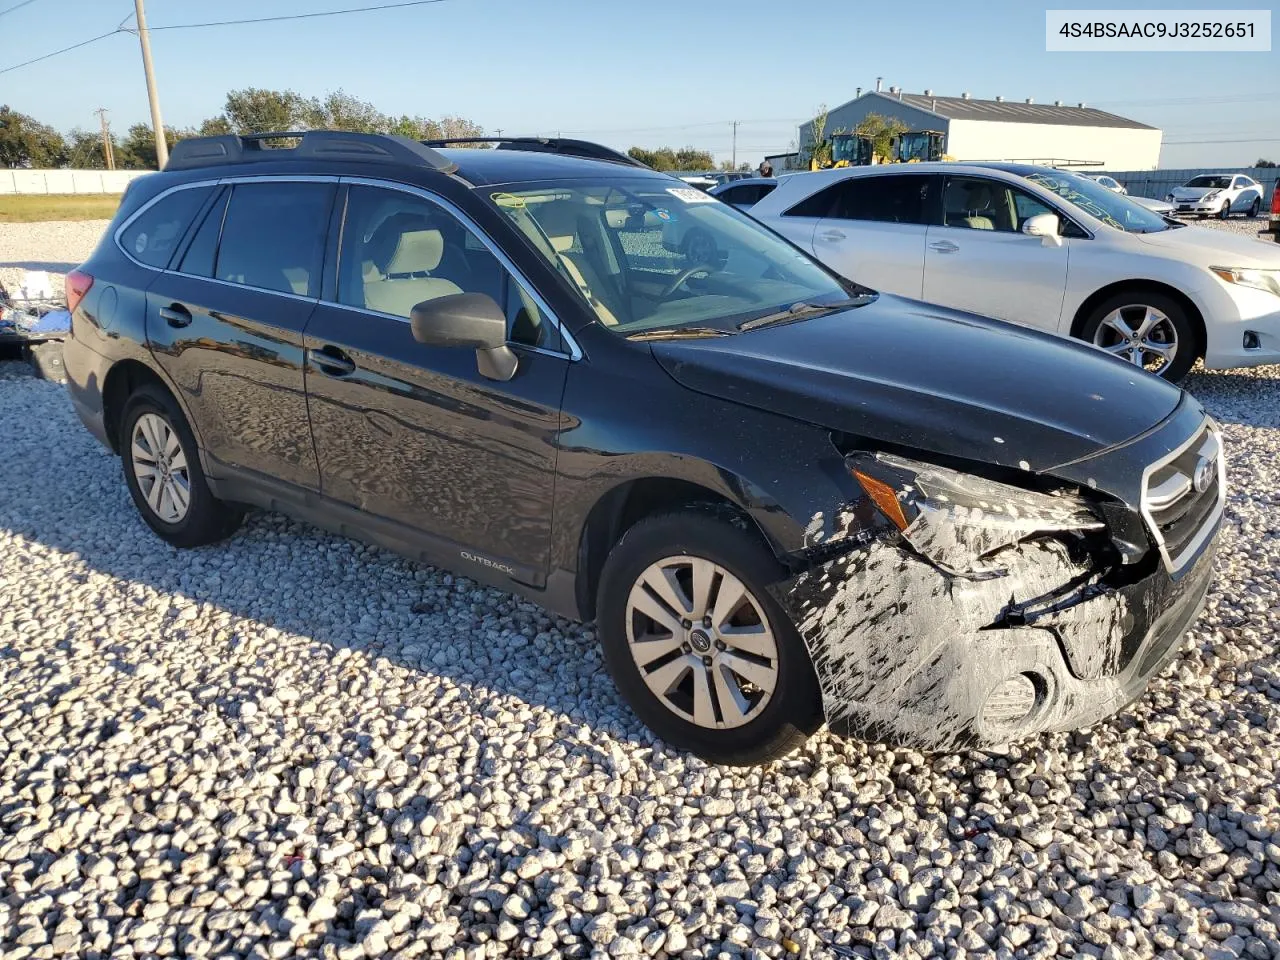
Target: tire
x: 1188, y: 335
x: 205, y: 519
x: 1225, y: 212
x: 777, y: 721
x: 46, y: 359
x: 1255, y: 207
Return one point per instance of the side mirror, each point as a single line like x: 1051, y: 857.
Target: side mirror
x: 467, y: 320
x: 1044, y: 226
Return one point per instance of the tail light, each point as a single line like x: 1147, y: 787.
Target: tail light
x: 77, y: 284
x: 1275, y: 199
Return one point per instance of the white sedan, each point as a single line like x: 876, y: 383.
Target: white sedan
x: 1111, y: 183
x: 1044, y: 248
x: 1220, y: 194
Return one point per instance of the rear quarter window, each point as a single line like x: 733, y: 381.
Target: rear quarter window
x: 154, y: 234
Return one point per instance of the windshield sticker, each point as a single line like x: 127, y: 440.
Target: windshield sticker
x: 507, y: 200
x: 690, y: 195
x: 663, y: 214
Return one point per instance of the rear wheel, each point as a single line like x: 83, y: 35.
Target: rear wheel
x: 1255, y: 206
x: 1149, y: 330
x: 163, y: 473
x: 698, y: 647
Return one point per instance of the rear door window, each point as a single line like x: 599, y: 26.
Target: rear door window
x: 199, y: 258
x: 894, y: 199
x: 273, y: 236
x: 154, y: 235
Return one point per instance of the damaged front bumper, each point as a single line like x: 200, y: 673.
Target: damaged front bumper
x: 912, y: 651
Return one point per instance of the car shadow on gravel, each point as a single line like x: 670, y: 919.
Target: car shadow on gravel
x: 300, y: 580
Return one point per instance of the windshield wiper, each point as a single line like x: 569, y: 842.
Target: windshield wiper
x: 799, y: 311
x: 678, y: 333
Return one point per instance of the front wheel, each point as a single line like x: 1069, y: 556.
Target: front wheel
x: 697, y: 646
x: 1149, y: 330
x: 1225, y: 212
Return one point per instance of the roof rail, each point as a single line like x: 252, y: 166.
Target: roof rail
x: 558, y: 145
x: 312, y: 144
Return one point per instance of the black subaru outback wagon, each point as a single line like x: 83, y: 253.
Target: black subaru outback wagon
x: 784, y: 498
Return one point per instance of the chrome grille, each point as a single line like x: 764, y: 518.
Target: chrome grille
x: 1183, y: 496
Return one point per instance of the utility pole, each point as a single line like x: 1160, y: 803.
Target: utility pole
x: 735, y: 145
x: 144, y: 38
x: 499, y: 131
x: 108, y: 155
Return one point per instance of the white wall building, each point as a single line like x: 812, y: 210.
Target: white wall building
x: 1051, y: 134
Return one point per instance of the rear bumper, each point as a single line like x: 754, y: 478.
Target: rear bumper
x: 86, y: 372
x: 909, y: 656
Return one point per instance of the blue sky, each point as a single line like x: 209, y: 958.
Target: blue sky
x: 659, y: 73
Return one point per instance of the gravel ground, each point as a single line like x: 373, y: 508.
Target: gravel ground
x: 55, y: 247
x: 293, y: 744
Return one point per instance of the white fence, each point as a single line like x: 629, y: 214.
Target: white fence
x: 67, y: 181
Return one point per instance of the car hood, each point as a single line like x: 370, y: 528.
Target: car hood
x: 1215, y: 248
x: 903, y: 372
x: 1195, y: 193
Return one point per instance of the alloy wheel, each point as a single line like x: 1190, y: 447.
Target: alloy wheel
x: 160, y: 467
x: 1141, y: 334
x: 702, y: 642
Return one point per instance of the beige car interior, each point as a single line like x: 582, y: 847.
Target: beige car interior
x: 980, y: 206
x: 406, y: 278
x: 579, y: 252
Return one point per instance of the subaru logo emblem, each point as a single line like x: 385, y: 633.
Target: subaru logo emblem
x: 1204, y: 475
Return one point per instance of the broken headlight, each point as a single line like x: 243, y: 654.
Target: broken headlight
x: 957, y: 521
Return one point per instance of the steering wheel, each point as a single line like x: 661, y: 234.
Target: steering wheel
x: 683, y: 277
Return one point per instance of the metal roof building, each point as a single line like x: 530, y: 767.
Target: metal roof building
x: 998, y: 129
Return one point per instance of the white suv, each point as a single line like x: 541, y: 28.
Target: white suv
x: 1044, y: 248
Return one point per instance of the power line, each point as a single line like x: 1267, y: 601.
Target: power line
x: 15, y: 7
x: 74, y: 46
x: 1178, y: 143
x: 297, y: 16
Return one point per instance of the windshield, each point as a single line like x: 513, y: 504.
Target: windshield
x: 1093, y: 198
x: 649, y: 255
x: 1217, y: 183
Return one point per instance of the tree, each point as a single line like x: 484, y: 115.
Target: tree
x: 137, y: 151
x: 819, y: 147
x: 84, y: 150
x: 665, y: 158
x: 881, y: 131
x: 1266, y: 164
x: 340, y: 110
x: 25, y: 142
x: 253, y: 110
x: 214, y: 127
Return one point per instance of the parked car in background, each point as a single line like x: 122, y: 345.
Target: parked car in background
x: 1220, y: 194
x: 1044, y: 248
x: 701, y: 181
x: 1111, y: 183
x: 1162, y: 207
x: 744, y: 193
x: 1273, y: 221
x: 782, y: 497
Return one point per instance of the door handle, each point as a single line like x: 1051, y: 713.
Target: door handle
x: 175, y: 315
x: 944, y: 246
x: 832, y: 235
x: 332, y: 361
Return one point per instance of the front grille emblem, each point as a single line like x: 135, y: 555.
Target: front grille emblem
x: 1203, y: 478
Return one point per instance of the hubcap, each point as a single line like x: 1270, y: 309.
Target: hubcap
x: 160, y: 467
x: 702, y: 642
x: 1143, y: 335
